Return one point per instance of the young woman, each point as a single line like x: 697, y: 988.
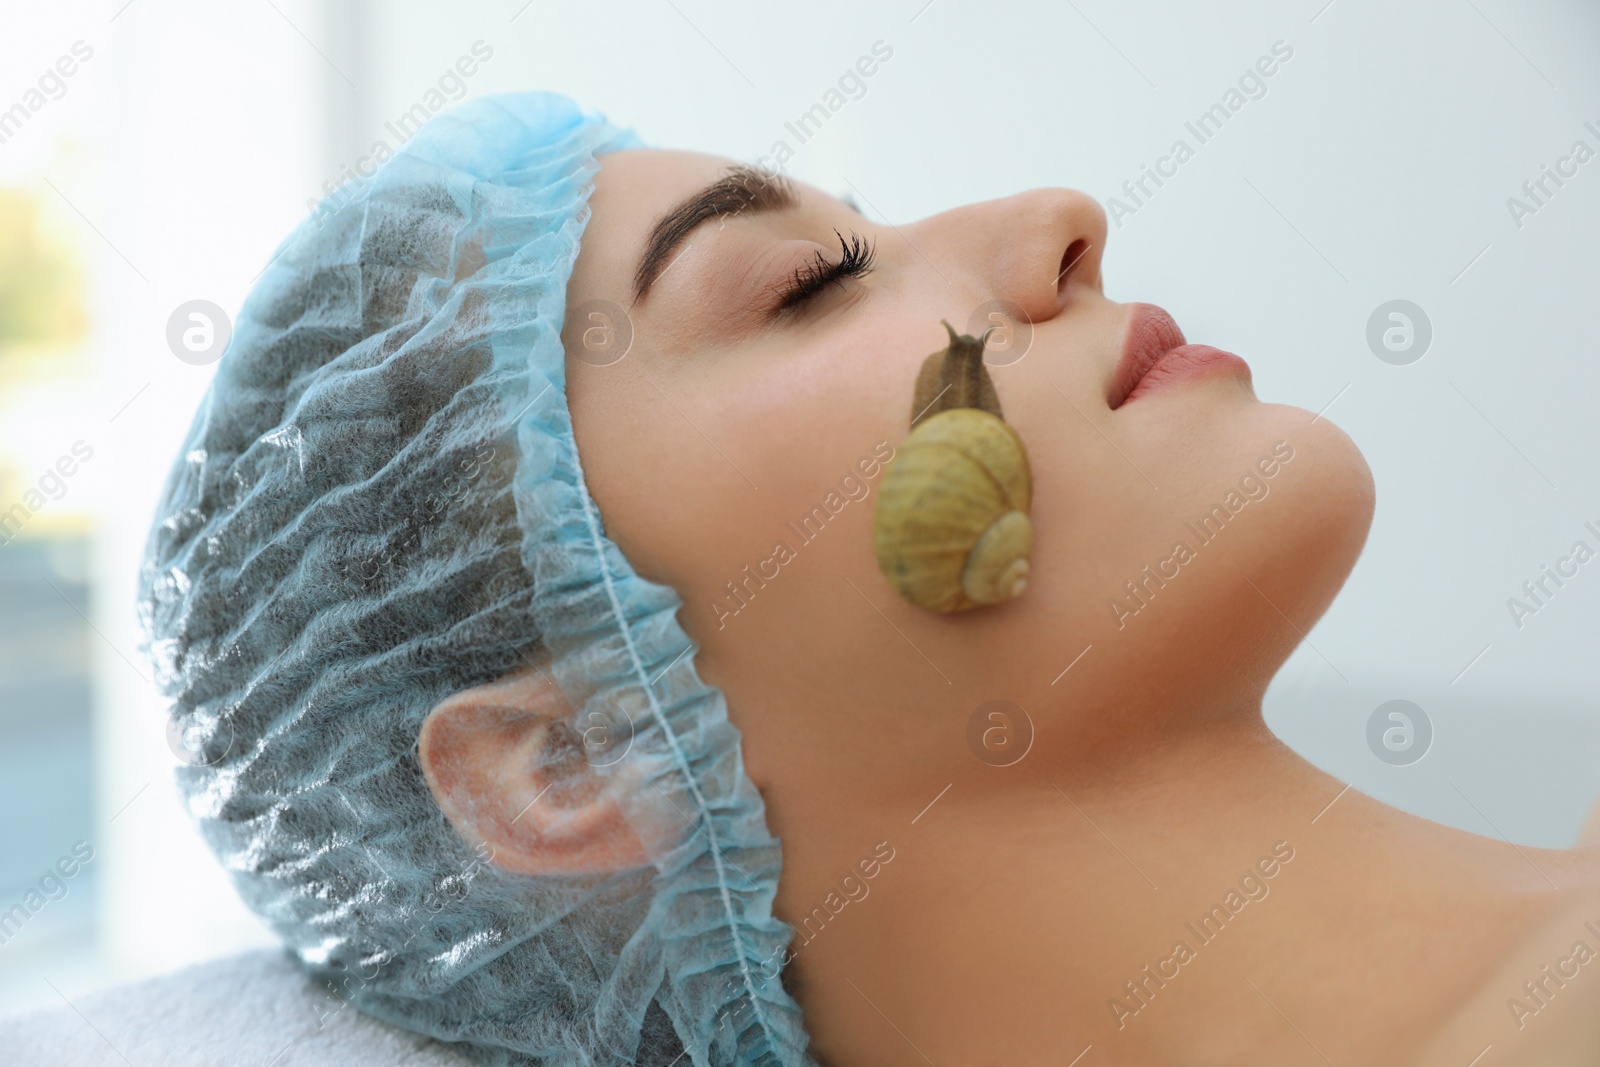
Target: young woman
x: 1049, y: 830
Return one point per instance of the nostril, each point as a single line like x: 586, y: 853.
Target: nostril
x: 1069, y: 259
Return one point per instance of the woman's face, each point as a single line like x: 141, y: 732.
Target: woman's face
x: 731, y: 421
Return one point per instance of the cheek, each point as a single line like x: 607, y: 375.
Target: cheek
x: 739, y: 471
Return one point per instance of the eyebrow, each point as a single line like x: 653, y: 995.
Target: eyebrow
x: 743, y: 188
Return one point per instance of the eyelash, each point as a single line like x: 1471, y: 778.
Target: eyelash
x: 855, y: 260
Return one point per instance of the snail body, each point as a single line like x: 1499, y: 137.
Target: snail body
x: 951, y: 526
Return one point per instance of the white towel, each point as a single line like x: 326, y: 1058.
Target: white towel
x: 252, y: 1010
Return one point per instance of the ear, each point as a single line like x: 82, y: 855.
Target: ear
x: 508, y: 769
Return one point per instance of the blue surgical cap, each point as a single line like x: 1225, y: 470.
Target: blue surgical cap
x: 380, y: 503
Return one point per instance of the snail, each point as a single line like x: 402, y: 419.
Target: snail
x: 951, y: 523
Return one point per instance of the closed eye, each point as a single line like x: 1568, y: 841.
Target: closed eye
x: 809, y: 279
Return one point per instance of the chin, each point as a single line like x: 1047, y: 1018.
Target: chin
x: 1303, y: 541
x: 1331, y: 498
x: 1202, y: 572
x: 1274, y: 505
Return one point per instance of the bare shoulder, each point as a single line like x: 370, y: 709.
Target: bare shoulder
x: 1539, y: 1006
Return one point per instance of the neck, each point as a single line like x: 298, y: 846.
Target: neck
x: 1131, y: 896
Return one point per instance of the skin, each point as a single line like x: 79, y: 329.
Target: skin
x: 1019, y: 899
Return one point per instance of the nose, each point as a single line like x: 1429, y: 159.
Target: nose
x: 1027, y: 247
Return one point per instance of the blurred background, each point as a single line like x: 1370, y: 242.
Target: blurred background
x: 154, y: 152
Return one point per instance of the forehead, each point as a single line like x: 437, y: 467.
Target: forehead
x: 631, y: 191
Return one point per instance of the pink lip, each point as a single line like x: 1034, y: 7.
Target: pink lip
x: 1156, y: 354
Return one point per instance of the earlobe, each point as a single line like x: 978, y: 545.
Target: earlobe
x: 509, y: 771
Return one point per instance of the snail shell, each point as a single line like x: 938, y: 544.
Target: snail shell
x: 951, y: 527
